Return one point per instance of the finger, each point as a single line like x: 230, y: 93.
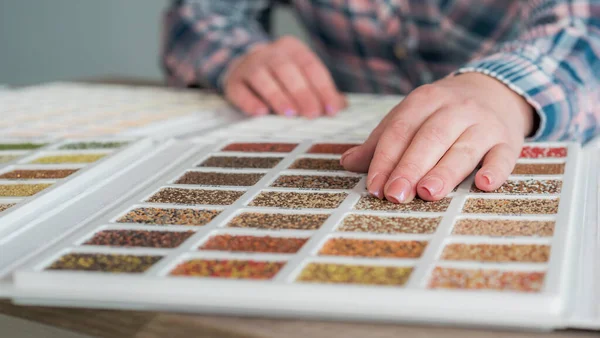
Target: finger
x: 244, y: 99
x: 458, y: 163
x: 294, y: 82
x: 417, y: 106
x: 271, y: 92
x: 317, y: 74
x: 430, y: 143
x: 497, y: 165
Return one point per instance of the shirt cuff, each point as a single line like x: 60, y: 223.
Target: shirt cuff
x: 528, y: 79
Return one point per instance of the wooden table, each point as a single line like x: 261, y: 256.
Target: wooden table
x: 115, y: 324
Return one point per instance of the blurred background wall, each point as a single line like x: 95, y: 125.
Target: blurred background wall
x: 49, y: 40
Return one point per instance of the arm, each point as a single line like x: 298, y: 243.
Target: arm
x: 555, y: 66
x: 202, y: 38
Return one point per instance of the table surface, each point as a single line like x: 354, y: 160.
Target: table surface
x: 110, y: 323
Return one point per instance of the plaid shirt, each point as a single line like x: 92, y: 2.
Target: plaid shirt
x: 546, y: 51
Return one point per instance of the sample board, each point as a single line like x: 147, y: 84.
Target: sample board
x: 278, y: 228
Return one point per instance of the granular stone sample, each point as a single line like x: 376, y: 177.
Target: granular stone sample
x: 355, y: 274
x: 325, y: 164
x: 511, y: 206
x: 235, y: 269
x: 104, y: 263
x: 254, y: 244
x: 241, y: 162
x: 503, y: 227
x: 6, y: 206
x: 524, y: 187
x: 213, y: 178
x: 390, y: 225
x: 316, y: 182
x: 373, y: 248
x: 296, y: 200
x: 21, y: 190
x: 497, y: 252
x: 539, y: 169
x: 487, y: 279
x: 20, y: 146
x: 330, y: 148
x: 8, y: 158
x: 40, y: 174
x: 416, y: 205
x: 140, y: 238
x: 75, y: 158
x: 196, y: 196
x: 261, y: 147
x: 92, y: 145
x: 268, y: 221
x: 543, y: 152
x: 164, y: 216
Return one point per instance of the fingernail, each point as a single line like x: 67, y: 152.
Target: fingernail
x: 330, y: 109
x: 375, y: 185
x: 433, y: 185
x: 488, y: 177
x: 289, y: 112
x: 346, y: 154
x: 399, y: 191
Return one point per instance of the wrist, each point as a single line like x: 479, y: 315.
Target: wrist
x: 501, y: 98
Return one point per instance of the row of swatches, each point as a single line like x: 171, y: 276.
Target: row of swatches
x: 346, y: 236
x: 27, y: 169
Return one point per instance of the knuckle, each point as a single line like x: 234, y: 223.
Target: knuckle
x: 383, y: 157
x: 468, y: 152
x: 469, y: 103
x: 427, y: 91
x: 409, y: 170
x: 436, y: 134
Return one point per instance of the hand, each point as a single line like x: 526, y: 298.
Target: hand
x: 433, y: 139
x: 284, y: 76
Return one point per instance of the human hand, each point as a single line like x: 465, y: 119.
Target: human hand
x: 438, y: 134
x: 284, y: 76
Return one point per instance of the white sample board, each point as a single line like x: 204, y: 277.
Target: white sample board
x: 275, y: 227
x: 78, y: 110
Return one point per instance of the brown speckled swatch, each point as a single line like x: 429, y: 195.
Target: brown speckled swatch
x: 213, y: 178
x: 539, y: 169
x: 268, y: 221
x: 373, y: 248
x: 330, y: 148
x: 21, y: 190
x: 390, y: 225
x: 164, y: 216
x: 104, y: 263
x: 38, y: 174
x: 417, y: 205
x: 503, y: 227
x: 140, y: 238
x: 261, y: 147
x: 265, y: 244
x: 324, y: 164
x: 479, y: 279
x: 316, y: 182
x: 196, y: 196
x: 497, y: 252
x: 296, y: 200
x: 511, y: 206
x: 526, y: 187
x: 241, y: 162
